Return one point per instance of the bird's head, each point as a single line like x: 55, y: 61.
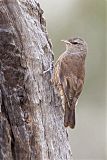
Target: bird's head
x: 75, y: 44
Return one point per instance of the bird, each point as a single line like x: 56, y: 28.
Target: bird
x: 68, y: 77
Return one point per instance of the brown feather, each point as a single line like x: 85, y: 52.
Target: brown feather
x: 68, y: 77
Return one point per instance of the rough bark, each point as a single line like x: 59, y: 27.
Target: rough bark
x: 31, y: 118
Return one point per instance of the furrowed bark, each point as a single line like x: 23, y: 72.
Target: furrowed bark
x: 31, y: 118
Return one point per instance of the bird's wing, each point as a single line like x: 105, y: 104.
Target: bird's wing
x: 71, y: 77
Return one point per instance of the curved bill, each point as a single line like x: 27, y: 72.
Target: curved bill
x: 65, y: 41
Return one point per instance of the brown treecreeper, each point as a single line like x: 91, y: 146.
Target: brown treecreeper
x: 68, y: 77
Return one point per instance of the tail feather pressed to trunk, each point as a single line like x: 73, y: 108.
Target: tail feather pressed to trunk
x: 69, y: 117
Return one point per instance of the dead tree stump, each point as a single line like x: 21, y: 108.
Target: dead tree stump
x: 31, y: 118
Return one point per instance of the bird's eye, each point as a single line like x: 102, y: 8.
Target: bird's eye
x: 74, y: 42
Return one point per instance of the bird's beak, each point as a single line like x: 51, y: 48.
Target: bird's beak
x: 65, y: 41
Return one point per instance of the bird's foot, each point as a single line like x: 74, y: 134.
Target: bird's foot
x: 50, y: 69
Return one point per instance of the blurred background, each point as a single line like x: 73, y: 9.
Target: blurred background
x: 86, y: 19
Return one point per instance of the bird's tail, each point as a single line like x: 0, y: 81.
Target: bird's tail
x: 69, y: 117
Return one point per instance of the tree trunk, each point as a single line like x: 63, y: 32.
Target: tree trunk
x: 31, y: 118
